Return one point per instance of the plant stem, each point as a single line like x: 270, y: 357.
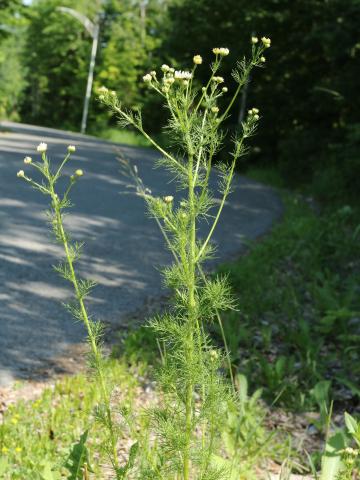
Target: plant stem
x: 94, y: 347
x: 191, y: 320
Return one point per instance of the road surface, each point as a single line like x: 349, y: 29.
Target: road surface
x: 123, y: 251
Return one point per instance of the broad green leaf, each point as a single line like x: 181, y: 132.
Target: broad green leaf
x: 331, y: 463
x: 78, y: 457
x: 351, y: 423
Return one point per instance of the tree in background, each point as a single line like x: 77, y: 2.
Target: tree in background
x: 56, y: 52
x: 12, y: 73
x: 131, y: 38
x: 309, y: 98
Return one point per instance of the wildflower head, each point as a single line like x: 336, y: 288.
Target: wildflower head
x: 213, y: 355
x: 223, y: 52
x: 4, y: 450
x: 103, y: 90
x: 266, y: 42
x: 21, y: 174
x: 262, y: 59
x: 254, y: 114
x: 224, y: 89
x: 42, y: 147
x: 165, y: 68
x: 79, y: 172
x: 18, y: 449
x: 254, y: 40
x: 168, y: 199
x: 215, y: 109
x: 153, y: 73
x: 218, y: 79
x: 182, y: 75
x: 147, y: 78
x: 27, y: 160
x: 197, y: 59
x: 71, y: 148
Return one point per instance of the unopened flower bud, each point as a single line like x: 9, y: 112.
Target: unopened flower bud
x: 103, y: 90
x: 168, y: 199
x: 256, y: 117
x: 215, y: 109
x: 27, y: 160
x: 153, y: 73
x: 214, y: 355
x: 71, y: 148
x: 79, y: 172
x: 197, y: 59
x: 224, y: 89
x: 262, y: 59
x: 254, y: 40
x: 165, y: 68
x: 20, y: 173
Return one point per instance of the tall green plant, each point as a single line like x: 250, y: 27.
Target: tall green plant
x: 188, y: 421
x: 82, y: 288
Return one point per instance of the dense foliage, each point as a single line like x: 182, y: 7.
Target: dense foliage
x: 309, y: 98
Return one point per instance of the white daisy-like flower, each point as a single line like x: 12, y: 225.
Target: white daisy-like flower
x: 42, y: 147
x: 182, y: 75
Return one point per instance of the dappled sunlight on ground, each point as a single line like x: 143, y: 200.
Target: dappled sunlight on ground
x: 123, y: 248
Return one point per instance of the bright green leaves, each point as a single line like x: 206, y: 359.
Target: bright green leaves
x: 78, y: 460
x: 216, y: 295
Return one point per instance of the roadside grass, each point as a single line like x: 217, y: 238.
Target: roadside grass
x: 130, y: 137
x: 125, y: 136
x: 293, y: 342
x: 297, y: 331
x: 36, y: 436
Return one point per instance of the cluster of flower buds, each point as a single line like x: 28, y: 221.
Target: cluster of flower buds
x: 166, y: 69
x: 223, y: 52
x: 254, y: 113
x: 147, y: 78
x: 266, y: 42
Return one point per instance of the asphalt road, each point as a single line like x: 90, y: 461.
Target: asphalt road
x: 123, y: 251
